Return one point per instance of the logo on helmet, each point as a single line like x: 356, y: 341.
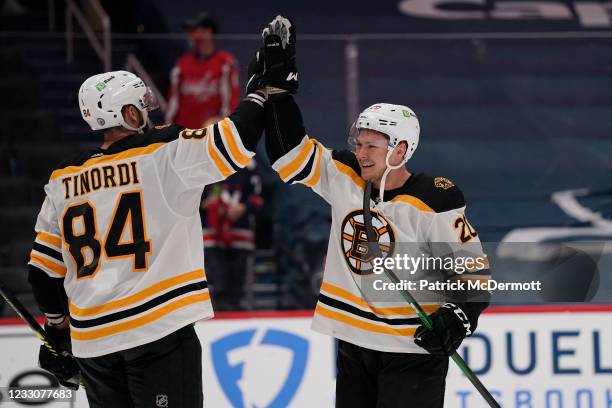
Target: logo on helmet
x: 407, y: 113
x: 100, y: 121
x: 101, y: 85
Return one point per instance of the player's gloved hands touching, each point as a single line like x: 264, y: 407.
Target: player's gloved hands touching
x: 274, y: 65
x: 60, y: 362
x: 450, y: 326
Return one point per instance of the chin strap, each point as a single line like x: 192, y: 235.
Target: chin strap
x: 139, y: 129
x: 381, y: 193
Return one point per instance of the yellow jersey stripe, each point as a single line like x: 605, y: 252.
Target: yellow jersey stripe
x: 140, y: 321
x: 50, y: 239
x: 348, y: 171
x: 126, y: 154
x: 385, y: 311
x: 55, y: 267
x: 295, y: 164
x: 221, y: 167
x: 330, y: 314
x: 138, y: 296
x: 237, y: 155
x: 316, y: 175
x: 475, y: 278
x: 413, y: 201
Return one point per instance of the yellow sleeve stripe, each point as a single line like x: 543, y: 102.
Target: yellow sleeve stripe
x: 140, y: 321
x: 136, y: 151
x: 47, y: 264
x: 138, y: 296
x: 302, y: 157
x: 475, y: 278
x: 218, y: 162
x: 348, y: 171
x: 316, y: 174
x: 372, y: 327
x: 50, y: 239
x: 385, y: 311
x: 413, y: 201
x: 240, y: 158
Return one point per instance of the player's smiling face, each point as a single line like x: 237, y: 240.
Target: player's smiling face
x: 371, y: 152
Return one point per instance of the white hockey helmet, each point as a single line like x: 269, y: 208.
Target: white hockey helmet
x: 102, y: 96
x: 396, y: 121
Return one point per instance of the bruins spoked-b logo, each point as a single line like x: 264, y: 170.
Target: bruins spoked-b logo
x: 355, y: 240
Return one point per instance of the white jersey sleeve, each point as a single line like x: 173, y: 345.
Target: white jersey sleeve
x: 46, y: 252
x: 199, y: 157
x: 208, y: 155
x: 312, y: 164
x: 307, y: 163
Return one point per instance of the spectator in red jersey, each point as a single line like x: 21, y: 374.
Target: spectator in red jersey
x: 204, y: 81
x: 229, y: 212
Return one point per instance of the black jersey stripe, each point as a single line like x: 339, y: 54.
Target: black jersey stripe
x: 48, y: 251
x: 192, y: 287
x: 337, y: 304
x: 218, y: 140
x: 306, y: 170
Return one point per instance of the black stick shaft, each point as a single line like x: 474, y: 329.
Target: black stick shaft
x: 20, y: 309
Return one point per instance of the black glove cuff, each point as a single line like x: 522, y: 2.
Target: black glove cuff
x: 472, y: 310
x: 60, y: 337
x: 460, y: 314
x: 257, y: 97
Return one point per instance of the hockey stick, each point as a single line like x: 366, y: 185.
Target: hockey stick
x: 373, y: 245
x: 20, y: 309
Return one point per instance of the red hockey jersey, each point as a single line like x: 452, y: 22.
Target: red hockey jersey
x: 202, y: 89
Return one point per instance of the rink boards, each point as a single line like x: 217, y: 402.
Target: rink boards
x: 527, y: 356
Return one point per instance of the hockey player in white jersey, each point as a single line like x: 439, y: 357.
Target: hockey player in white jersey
x: 386, y: 358
x: 117, y: 264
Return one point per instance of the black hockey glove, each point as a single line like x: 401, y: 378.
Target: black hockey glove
x: 450, y: 327
x: 255, y: 73
x: 62, y: 365
x: 281, y: 71
x: 274, y: 65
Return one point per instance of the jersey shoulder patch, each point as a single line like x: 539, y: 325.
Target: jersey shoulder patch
x: 438, y: 193
x: 347, y: 158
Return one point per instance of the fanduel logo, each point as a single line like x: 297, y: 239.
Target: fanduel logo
x: 240, y: 358
x: 590, y: 14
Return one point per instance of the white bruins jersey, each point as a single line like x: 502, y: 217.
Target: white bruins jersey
x: 425, y: 210
x: 122, y: 227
